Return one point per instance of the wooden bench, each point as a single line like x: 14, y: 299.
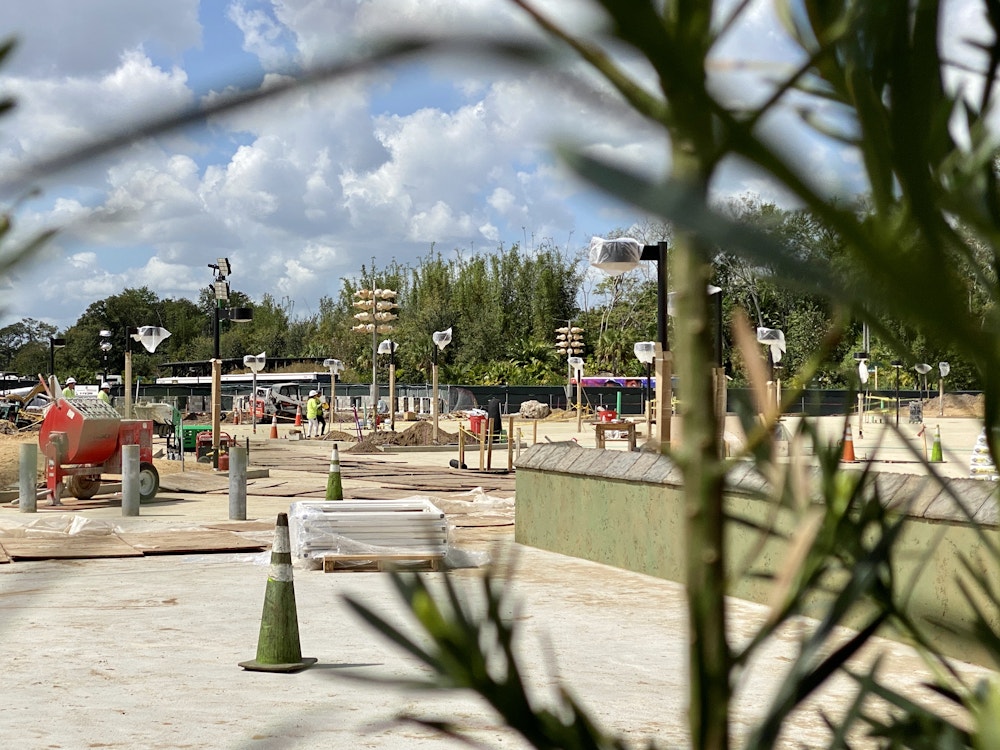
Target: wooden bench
x: 602, y: 429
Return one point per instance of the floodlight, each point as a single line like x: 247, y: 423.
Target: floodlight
x: 222, y: 265
x: 221, y: 289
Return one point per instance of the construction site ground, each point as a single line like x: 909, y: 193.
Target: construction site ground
x: 140, y: 649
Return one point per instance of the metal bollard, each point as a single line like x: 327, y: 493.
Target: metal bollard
x: 130, y: 480
x: 237, y: 483
x: 28, y: 478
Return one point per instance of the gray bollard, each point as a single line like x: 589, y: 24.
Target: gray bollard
x: 28, y: 478
x: 237, y: 483
x: 130, y: 480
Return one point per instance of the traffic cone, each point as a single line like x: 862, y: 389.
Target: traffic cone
x: 298, y: 416
x: 848, y: 454
x: 278, y: 648
x: 274, y: 427
x: 936, y: 454
x: 334, y: 486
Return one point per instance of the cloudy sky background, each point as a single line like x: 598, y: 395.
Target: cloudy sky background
x: 301, y: 192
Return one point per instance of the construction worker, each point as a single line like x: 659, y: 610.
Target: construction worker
x: 105, y: 393
x: 321, y: 414
x: 312, y: 414
x: 70, y: 390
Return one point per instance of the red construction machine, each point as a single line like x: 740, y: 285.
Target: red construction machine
x: 82, y: 439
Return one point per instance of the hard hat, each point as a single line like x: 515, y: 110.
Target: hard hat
x: 105, y: 386
x: 70, y: 381
x: 313, y: 393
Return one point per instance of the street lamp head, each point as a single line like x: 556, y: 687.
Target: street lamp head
x: 150, y: 336
x: 441, y: 338
x: 775, y: 339
x: 576, y: 363
x: 57, y: 343
x: 922, y: 368
x: 387, y: 347
x: 944, y: 368
x: 255, y: 362
x: 239, y: 314
x: 897, y: 363
x: 335, y: 366
x: 615, y: 257
x: 645, y: 351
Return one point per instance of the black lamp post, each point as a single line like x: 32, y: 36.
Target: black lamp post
x: 54, y: 343
x: 220, y: 288
x: 897, y: 365
x: 620, y: 256
x: 105, y: 348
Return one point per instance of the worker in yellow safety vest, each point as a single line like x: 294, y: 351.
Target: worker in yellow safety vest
x: 105, y: 393
x: 70, y: 390
x: 312, y: 414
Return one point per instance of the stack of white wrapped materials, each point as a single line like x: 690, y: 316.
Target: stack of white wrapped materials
x: 410, y: 527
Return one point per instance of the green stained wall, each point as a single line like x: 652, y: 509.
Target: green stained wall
x: 625, y: 509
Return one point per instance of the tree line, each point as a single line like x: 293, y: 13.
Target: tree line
x: 503, y: 306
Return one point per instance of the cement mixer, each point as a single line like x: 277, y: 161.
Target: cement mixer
x: 82, y: 439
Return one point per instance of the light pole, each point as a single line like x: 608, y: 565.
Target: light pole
x: 389, y: 347
x: 616, y: 257
x: 376, y: 311
x: 645, y: 352
x: 256, y: 363
x: 774, y: 340
x: 335, y: 366
x: 944, y: 368
x: 569, y: 342
x: 922, y: 369
x: 441, y: 339
x: 862, y: 360
x: 150, y: 337
x: 577, y: 364
x: 105, y: 348
x: 54, y: 343
x: 897, y: 365
x: 220, y: 288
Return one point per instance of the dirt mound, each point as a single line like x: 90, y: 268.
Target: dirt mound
x: 338, y: 436
x: 366, y: 445
x: 956, y: 405
x: 422, y: 433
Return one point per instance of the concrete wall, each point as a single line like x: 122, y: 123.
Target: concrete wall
x: 625, y: 509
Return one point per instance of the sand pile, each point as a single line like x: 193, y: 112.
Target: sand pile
x: 956, y: 405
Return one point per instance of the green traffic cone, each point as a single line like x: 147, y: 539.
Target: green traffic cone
x: 936, y: 455
x: 334, y: 486
x: 278, y: 648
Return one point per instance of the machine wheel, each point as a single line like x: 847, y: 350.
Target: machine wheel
x: 149, y: 482
x: 83, y: 486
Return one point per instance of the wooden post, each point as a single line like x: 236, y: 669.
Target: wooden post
x: 489, y: 446
x: 482, y: 447
x: 510, y: 443
x: 534, y: 432
x: 461, y: 446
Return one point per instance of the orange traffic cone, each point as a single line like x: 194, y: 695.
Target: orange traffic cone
x: 274, y: 427
x: 298, y: 416
x: 848, y: 454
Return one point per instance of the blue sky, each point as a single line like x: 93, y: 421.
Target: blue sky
x: 300, y: 193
